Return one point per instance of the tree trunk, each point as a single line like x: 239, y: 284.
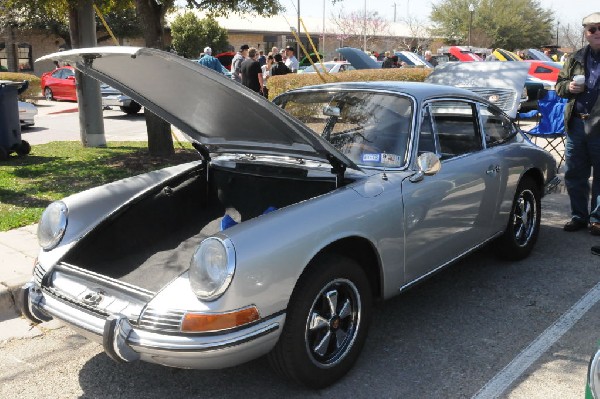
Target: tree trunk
x: 160, y: 141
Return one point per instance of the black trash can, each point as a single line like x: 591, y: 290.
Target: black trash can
x: 10, y: 127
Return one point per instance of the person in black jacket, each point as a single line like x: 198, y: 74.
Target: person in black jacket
x: 279, y: 68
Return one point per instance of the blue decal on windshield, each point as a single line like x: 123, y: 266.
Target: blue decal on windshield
x: 371, y: 157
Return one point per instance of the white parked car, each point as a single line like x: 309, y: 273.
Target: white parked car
x: 27, y: 113
x: 330, y: 66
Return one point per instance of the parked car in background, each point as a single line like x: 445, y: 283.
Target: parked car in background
x: 464, y: 54
x: 329, y: 66
x: 225, y: 59
x: 114, y: 98
x: 542, y: 75
x: 535, y: 54
x: 27, y: 113
x: 279, y: 239
x: 60, y: 84
x: 412, y: 60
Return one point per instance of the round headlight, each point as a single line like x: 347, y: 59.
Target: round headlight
x: 594, y: 375
x: 53, y: 224
x: 211, y: 268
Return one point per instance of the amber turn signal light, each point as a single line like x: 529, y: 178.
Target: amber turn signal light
x: 205, y: 322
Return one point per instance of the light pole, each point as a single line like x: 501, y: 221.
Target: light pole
x: 557, y: 25
x: 471, y: 9
x: 365, y: 27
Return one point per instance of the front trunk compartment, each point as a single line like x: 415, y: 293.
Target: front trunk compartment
x: 150, y: 241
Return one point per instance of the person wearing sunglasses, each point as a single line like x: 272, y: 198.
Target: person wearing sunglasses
x: 579, y: 81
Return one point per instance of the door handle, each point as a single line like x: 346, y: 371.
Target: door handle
x: 492, y: 170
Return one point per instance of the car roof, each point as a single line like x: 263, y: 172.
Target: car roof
x: 418, y: 90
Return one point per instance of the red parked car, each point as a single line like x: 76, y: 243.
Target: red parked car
x: 544, y: 70
x: 464, y: 54
x: 59, y: 84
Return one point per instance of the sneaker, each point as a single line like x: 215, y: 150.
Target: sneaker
x: 576, y: 224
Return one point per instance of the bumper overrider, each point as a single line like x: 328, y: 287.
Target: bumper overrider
x: 123, y: 341
x: 552, y: 185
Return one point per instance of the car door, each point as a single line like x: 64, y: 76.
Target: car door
x: 450, y: 212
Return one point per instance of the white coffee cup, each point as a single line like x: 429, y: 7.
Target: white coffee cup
x: 579, y: 79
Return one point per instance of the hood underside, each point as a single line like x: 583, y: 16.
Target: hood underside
x: 211, y: 109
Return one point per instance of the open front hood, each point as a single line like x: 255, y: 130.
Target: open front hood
x: 479, y: 76
x: 211, y: 109
x: 358, y: 58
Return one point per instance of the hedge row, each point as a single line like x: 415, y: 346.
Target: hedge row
x: 33, y: 91
x: 282, y: 83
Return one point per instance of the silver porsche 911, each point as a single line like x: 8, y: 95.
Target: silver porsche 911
x: 298, y: 215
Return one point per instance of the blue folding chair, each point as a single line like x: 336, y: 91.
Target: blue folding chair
x: 550, y: 127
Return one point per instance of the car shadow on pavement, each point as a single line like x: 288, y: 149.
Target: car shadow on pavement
x: 123, y: 116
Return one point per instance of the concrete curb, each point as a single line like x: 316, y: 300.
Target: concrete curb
x: 19, y: 249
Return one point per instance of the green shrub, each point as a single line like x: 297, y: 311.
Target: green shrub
x: 282, y: 83
x: 33, y: 91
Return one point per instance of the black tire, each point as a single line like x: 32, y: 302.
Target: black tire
x: 524, y: 222
x: 326, y: 323
x: 3, y: 154
x: 132, y: 109
x: 24, y: 148
x: 48, y: 94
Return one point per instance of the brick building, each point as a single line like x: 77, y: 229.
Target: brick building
x: 260, y: 32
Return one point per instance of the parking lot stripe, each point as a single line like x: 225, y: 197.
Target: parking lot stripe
x: 505, y: 378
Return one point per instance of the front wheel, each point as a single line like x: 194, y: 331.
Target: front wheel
x: 524, y: 224
x: 326, y: 323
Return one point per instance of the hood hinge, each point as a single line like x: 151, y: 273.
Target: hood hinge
x: 338, y: 169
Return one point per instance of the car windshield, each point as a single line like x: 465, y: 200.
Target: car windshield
x: 371, y: 129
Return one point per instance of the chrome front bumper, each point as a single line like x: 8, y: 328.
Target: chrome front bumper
x: 123, y: 342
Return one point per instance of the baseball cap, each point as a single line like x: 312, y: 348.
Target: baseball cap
x: 290, y: 48
x: 591, y: 19
x: 207, y: 50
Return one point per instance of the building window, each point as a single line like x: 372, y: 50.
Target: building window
x: 24, y: 57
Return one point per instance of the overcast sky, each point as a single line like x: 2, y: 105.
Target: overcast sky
x: 570, y: 11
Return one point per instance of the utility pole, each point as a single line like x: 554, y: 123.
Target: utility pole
x: 91, y: 122
x: 394, y: 11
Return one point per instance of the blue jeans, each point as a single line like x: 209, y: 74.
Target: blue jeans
x: 582, y: 153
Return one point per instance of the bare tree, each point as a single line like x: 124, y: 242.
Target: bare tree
x: 359, y: 27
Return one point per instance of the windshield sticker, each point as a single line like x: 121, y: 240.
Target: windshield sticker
x: 391, y: 159
x: 371, y: 157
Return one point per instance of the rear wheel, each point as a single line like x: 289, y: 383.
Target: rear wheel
x: 326, y: 323
x: 132, y: 109
x: 524, y: 223
x: 48, y: 94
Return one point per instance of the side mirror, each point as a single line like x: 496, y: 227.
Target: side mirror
x: 428, y: 164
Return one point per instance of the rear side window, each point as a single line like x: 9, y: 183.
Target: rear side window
x: 455, y: 124
x: 497, y: 128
